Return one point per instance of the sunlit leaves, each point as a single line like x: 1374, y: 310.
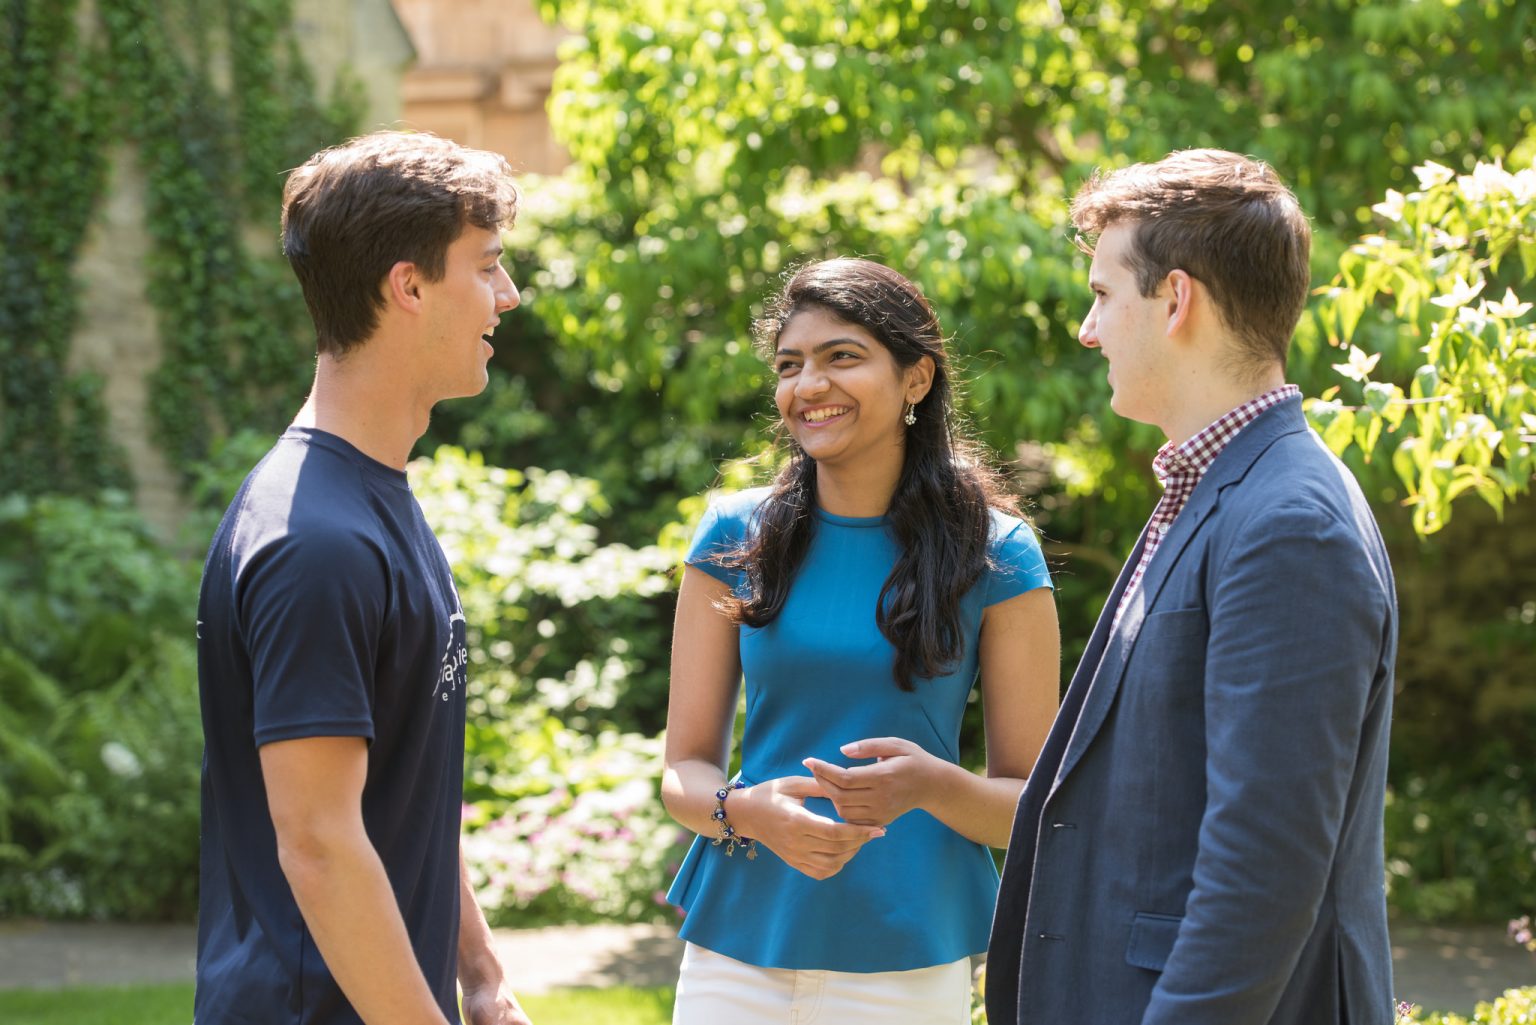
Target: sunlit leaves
x: 1468, y: 403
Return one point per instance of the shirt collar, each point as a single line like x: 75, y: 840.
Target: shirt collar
x: 1195, y: 456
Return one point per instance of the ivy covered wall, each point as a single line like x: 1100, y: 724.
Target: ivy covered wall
x: 197, y: 107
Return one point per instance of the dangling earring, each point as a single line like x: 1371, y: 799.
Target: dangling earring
x: 910, y: 416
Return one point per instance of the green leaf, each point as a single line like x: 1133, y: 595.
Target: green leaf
x: 1426, y: 380
x: 1338, y: 434
x: 1367, y: 433
x: 1406, y: 466
x: 1379, y: 395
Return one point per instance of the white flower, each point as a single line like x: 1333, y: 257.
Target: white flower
x: 1460, y: 294
x: 1431, y: 174
x: 120, y: 761
x: 1359, y: 366
x: 1523, y: 185
x: 1510, y: 307
x: 1392, y: 207
x: 1485, y: 180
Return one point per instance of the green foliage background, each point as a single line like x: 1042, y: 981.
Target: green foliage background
x: 213, y: 100
x: 715, y: 144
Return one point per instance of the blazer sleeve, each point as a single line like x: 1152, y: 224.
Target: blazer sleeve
x: 1300, y: 614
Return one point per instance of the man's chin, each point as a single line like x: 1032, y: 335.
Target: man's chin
x: 1126, y: 411
x: 469, y: 390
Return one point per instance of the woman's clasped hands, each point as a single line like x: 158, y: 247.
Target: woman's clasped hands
x: 867, y: 798
x: 877, y: 794
x: 774, y: 814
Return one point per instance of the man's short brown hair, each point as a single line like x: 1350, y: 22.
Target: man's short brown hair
x: 353, y: 211
x: 1227, y: 221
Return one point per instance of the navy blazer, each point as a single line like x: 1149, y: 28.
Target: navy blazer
x: 1201, y: 840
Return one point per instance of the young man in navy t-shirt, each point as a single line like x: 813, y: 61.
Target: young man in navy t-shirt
x: 331, y: 648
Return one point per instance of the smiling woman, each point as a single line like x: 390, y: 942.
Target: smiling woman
x: 842, y: 397
x: 860, y: 596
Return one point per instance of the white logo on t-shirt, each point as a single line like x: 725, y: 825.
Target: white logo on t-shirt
x: 455, y: 665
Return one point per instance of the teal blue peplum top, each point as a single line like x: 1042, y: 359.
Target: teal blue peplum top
x: 820, y: 676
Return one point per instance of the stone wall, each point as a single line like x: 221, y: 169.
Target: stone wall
x: 482, y: 77
x: 118, y: 336
x: 477, y: 71
x: 367, y: 39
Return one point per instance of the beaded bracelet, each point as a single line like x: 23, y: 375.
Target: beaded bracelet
x: 727, y: 834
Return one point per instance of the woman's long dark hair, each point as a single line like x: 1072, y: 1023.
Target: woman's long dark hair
x: 939, y: 514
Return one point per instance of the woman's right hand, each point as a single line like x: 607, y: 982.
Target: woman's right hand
x: 774, y: 814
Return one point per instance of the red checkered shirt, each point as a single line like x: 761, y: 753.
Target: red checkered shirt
x: 1180, y: 468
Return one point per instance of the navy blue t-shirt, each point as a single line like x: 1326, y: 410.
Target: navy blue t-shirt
x: 327, y: 610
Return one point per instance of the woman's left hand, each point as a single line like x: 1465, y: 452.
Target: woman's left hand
x: 878, y: 794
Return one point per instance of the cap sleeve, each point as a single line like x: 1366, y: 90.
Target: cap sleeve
x: 1018, y: 563
x: 720, y: 532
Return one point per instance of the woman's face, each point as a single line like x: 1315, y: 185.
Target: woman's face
x: 840, y: 391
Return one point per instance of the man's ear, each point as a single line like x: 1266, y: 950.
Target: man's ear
x: 1182, y: 291
x: 919, y: 379
x: 402, y: 286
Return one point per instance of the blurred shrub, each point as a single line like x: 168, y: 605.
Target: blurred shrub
x: 1515, y: 1007
x: 568, y: 651
x: 1466, y: 670
x: 580, y: 836
x: 100, y: 739
x: 1520, y: 930
x: 554, y: 616
x: 1461, y: 842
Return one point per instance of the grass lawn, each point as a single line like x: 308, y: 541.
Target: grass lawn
x: 172, y: 1005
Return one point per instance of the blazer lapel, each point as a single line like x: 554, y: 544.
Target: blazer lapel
x: 1084, y: 694
x: 1093, y: 654
x: 1102, y: 680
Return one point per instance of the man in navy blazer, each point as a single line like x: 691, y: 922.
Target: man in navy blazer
x: 1200, y: 842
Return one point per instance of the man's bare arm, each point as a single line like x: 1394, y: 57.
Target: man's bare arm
x: 314, y: 791
x: 488, y: 1000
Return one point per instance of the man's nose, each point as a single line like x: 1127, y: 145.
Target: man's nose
x: 507, y: 296
x: 1088, y: 334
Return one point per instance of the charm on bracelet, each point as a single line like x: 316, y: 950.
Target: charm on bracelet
x: 725, y: 833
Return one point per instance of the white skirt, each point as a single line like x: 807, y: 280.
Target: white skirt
x: 713, y: 989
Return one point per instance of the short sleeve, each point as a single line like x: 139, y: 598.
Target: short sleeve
x: 312, y: 607
x: 720, y: 532
x: 1018, y: 563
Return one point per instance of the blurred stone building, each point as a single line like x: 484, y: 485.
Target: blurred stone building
x: 117, y: 336
x: 482, y: 75
x: 477, y: 71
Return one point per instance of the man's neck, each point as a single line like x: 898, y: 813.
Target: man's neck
x: 1207, y: 401
x: 357, y: 400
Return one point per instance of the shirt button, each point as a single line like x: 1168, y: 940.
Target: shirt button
x: 1162, y: 528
